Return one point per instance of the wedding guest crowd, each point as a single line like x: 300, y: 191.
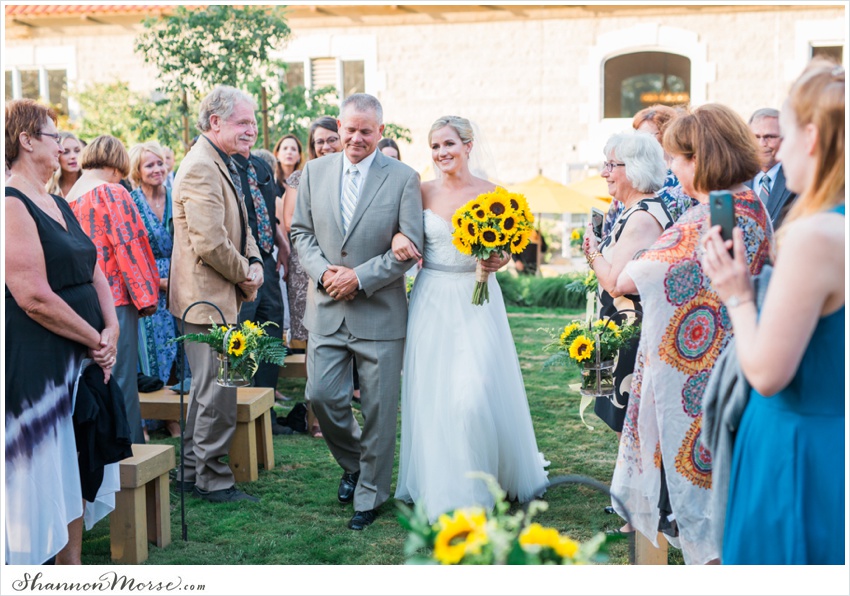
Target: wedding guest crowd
x: 99, y: 280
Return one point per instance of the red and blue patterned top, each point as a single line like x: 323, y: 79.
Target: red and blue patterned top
x: 111, y: 219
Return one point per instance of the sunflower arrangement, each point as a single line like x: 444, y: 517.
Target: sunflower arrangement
x: 577, y: 341
x: 245, y: 345
x: 497, y: 221
x: 576, y: 238
x: 472, y: 536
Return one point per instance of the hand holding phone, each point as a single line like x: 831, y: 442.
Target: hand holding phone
x: 596, y: 219
x: 722, y: 210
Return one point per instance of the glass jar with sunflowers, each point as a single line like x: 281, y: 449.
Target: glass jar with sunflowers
x: 240, y: 349
x: 593, y: 346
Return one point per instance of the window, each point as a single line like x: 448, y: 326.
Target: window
x: 641, y: 79
x: 57, y: 87
x: 48, y: 85
x: 29, y: 84
x: 835, y: 53
x: 294, y: 74
x: 323, y: 73
x: 353, y: 77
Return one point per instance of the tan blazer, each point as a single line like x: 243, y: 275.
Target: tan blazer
x: 206, y: 263
x: 390, y: 201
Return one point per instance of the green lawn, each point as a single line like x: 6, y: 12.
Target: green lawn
x: 299, y: 520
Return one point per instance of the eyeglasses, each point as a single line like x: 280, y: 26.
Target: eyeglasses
x: 768, y: 137
x: 609, y: 166
x: 328, y: 141
x: 55, y: 136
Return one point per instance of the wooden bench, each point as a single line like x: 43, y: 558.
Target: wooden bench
x: 142, y: 512
x: 252, y: 442
x: 295, y: 365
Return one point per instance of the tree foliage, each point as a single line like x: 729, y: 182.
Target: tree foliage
x: 195, y: 50
x: 108, y: 108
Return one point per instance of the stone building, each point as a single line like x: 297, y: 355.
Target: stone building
x: 546, y: 83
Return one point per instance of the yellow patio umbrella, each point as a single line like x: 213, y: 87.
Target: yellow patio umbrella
x: 547, y: 196
x: 593, y: 186
x: 544, y: 195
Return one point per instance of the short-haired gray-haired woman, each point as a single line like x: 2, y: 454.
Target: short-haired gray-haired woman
x: 635, y: 170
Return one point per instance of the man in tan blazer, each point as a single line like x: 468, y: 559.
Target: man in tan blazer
x: 350, y: 204
x: 216, y: 259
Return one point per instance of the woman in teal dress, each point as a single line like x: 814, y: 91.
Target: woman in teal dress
x: 786, y: 486
x: 157, y: 353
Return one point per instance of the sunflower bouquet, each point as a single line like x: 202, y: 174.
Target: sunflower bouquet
x: 244, y: 346
x: 472, y: 536
x: 497, y: 221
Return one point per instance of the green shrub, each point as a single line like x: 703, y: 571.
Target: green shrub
x: 563, y: 291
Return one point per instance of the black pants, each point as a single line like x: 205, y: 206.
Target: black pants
x: 268, y: 306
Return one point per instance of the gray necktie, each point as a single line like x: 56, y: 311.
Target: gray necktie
x: 764, y: 189
x: 349, y: 196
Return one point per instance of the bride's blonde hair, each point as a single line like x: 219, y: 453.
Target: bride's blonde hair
x: 461, y: 126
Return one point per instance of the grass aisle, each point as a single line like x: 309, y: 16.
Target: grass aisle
x: 300, y: 522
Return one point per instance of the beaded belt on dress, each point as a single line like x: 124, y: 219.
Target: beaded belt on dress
x: 449, y: 268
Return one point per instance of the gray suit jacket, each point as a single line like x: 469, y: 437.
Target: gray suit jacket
x: 780, y: 199
x: 390, y: 201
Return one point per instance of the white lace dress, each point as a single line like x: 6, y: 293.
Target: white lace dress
x: 464, y: 406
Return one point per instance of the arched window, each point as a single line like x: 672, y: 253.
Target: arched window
x: 638, y: 80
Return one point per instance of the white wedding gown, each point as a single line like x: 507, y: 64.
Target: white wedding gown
x: 464, y: 407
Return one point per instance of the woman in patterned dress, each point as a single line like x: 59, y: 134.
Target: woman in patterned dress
x: 653, y: 121
x: 109, y: 216
x: 157, y: 353
x: 663, y: 473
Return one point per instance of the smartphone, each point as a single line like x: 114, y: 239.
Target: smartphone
x: 596, y: 219
x: 722, y: 211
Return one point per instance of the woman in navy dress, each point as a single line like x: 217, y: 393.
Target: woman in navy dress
x: 786, y: 487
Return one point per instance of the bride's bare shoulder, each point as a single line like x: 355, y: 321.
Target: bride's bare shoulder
x: 482, y: 185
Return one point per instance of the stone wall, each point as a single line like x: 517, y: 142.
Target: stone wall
x: 533, y: 85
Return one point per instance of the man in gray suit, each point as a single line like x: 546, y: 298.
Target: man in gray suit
x: 769, y: 184
x: 350, y: 204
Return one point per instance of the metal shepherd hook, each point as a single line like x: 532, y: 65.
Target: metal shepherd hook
x: 183, y: 526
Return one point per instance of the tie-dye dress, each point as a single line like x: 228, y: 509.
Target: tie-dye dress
x: 43, y: 489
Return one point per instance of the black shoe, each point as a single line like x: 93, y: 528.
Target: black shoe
x: 184, y: 487
x: 347, y: 484
x: 610, y: 510
x: 279, y: 429
x: 362, y: 519
x: 225, y: 495
x: 180, y: 487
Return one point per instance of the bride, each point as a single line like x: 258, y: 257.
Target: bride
x: 464, y: 407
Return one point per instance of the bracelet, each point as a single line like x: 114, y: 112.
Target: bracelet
x: 592, y: 257
x: 734, y: 301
